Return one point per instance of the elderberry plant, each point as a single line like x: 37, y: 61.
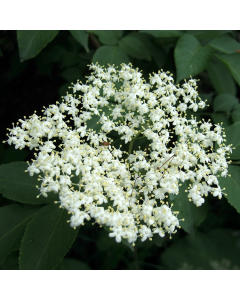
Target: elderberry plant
x: 77, y: 158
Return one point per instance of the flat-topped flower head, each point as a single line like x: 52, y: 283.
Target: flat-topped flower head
x: 85, y: 163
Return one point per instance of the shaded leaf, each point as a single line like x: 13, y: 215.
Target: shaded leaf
x: 190, y: 57
x: 207, y: 97
x: 225, y: 44
x: 232, y: 186
x: 221, y: 118
x: 224, y: 103
x: 11, y: 262
x: 148, y: 45
x: 233, y: 137
x: 71, y: 74
x: 236, y: 113
x: 13, y: 220
x: 135, y: 47
x: 193, y: 216
x: 31, y: 42
x: 72, y: 264
x: 110, y: 55
x: 18, y: 185
x: 207, y: 34
x: 108, y: 37
x: 219, y: 249
x: 221, y: 78
x: 82, y: 37
x: 232, y: 61
x: 47, y: 239
x: 164, y: 33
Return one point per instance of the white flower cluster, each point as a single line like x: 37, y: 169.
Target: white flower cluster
x: 126, y: 191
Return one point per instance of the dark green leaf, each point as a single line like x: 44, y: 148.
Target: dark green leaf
x: 224, y: 103
x: 221, y: 78
x: 148, y: 45
x: 70, y: 59
x: 207, y: 97
x: 236, y: 113
x: 232, y: 61
x: 11, y: 262
x: 218, y: 250
x: 13, y: 220
x: 72, y: 264
x: 82, y: 37
x: 233, y: 137
x: 47, y: 239
x: 193, y: 216
x: 221, y: 118
x: 16, y: 67
x: 108, y: 37
x: 190, y: 57
x: 18, y: 185
x: 110, y: 55
x: 1, y: 54
x: 134, y: 47
x: 71, y: 74
x: 207, y: 34
x: 232, y: 185
x: 31, y: 42
x: 225, y: 44
x: 164, y: 33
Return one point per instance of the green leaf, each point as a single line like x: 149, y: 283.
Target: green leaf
x: 232, y: 61
x: 72, y: 264
x: 31, y: 42
x: 47, y: 239
x: 82, y: 37
x: 221, y: 78
x: 225, y: 44
x: 207, y: 34
x: 11, y: 262
x: 71, y: 74
x: 134, y: 47
x: 232, y: 185
x: 1, y: 54
x: 221, y: 118
x: 108, y: 37
x: 18, y: 185
x: 110, y: 55
x: 190, y: 57
x: 193, y: 216
x: 233, y: 137
x: 207, y: 97
x: 236, y: 113
x: 224, y: 103
x: 164, y: 33
x: 13, y: 220
x: 148, y: 45
x: 218, y: 249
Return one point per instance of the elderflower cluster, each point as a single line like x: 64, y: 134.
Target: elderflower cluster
x: 81, y: 158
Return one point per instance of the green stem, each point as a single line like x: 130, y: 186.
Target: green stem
x: 130, y: 146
